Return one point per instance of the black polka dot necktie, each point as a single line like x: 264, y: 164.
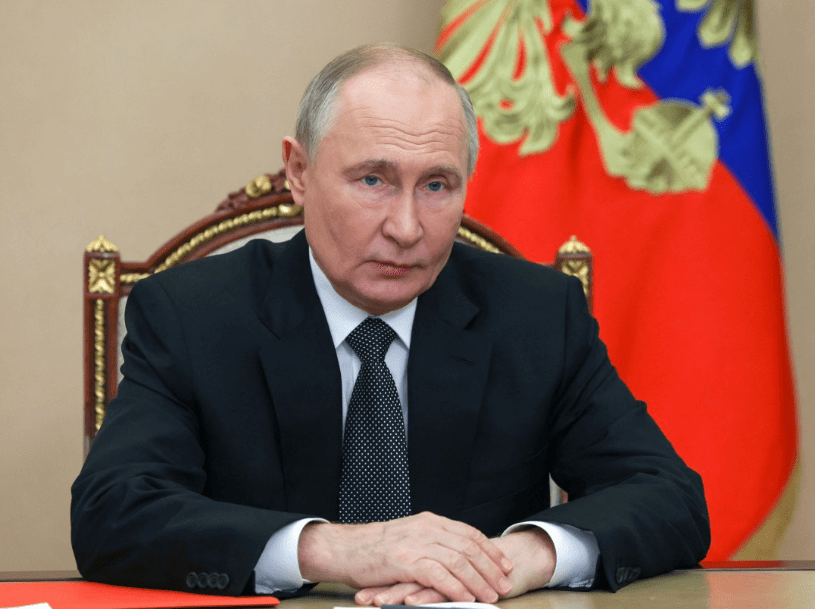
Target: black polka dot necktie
x: 375, y: 484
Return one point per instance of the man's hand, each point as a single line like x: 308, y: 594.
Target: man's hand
x: 532, y: 554
x: 430, y: 552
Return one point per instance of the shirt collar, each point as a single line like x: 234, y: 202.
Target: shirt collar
x: 343, y: 317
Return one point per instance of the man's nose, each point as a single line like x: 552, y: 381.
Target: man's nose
x: 402, y: 222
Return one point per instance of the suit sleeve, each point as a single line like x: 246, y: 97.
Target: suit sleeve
x: 139, y: 512
x: 626, y: 483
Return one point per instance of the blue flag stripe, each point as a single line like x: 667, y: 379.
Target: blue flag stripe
x: 684, y: 69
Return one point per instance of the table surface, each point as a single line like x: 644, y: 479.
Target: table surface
x: 697, y: 589
x: 780, y: 585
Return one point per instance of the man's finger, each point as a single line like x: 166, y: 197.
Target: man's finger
x: 366, y: 596
x: 425, y: 596
x: 474, y: 551
x: 387, y: 595
x: 484, y: 544
x: 496, y: 555
x: 491, y: 571
x: 480, y: 576
x: 432, y: 574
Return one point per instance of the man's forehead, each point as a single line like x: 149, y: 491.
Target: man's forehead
x: 359, y: 87
x: 398, y: 113
x: 411, y: 102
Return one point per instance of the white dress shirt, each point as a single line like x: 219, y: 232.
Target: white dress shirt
x: 278, y: 567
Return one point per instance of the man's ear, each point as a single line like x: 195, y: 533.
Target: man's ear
x: 295, y: 161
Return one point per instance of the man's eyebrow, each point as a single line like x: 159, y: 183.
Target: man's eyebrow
x: 384, y: 166
x: 449, y: 172
x: 372, y: 166
x: 446, y: 170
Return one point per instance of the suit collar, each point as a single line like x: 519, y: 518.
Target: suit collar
x: 291, y: 296
x: 447, y: 298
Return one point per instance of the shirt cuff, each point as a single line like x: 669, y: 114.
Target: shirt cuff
x: 278, y: 568
x: 576, y: 553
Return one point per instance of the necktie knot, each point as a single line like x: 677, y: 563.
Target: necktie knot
x: 370, y: 340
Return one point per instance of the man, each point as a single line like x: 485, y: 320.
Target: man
x: 228, y: 455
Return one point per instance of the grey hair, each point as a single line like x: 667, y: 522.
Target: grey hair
x: 316, y: 114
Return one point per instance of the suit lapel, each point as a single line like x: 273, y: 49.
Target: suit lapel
x: 447, y: 372
x: 301, y: 369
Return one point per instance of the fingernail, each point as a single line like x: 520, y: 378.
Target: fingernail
x: 504, y: 585
x: 506, y: 564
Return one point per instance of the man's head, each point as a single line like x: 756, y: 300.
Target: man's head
x: 380, y: 166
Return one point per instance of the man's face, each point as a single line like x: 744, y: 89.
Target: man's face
x: 384, y: 195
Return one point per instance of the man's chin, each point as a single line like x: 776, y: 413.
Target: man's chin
x: 393, y: 295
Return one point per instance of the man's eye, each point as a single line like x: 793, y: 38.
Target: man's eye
x: 435, y: 186
x: 370, y: 180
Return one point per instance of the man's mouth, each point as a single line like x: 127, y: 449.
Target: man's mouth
x: 392, y: 269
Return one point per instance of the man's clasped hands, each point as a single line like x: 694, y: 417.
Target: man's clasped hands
x: 425, y: 558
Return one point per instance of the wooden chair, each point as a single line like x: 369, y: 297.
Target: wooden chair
x: 263, y: 209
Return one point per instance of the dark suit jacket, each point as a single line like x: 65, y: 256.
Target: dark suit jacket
x: 227, y: 425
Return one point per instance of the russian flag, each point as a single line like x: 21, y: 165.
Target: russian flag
x: 638, y: 126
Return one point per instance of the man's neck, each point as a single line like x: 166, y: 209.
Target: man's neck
x: 343, y: 317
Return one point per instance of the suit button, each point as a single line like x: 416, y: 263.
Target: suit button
x: 203, y: 580
x: 192, y: 580
x: 627, y: 574
x: 212, y: 580
x: 223, y: 581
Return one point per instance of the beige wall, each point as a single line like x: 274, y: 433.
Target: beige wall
x: 134, y: 118
x: 788, y: 63
x: 131, y: 118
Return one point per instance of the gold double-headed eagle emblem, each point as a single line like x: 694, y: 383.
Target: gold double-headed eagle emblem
x: 671, y: 146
